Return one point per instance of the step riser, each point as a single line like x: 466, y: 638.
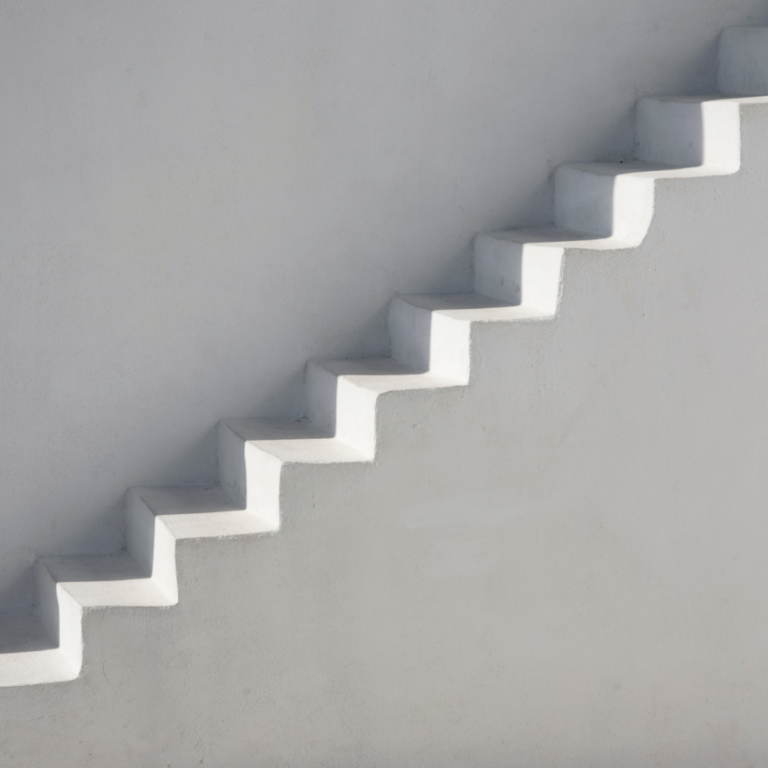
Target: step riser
x: 321, y: 397
x: 743, y: 55
x: 689, y: 133
x: 251, y: 477
x: 263, y: 480
x: 429, y: 341
x: 151, y: 544
x: 519, y: 273
x: 346, y: 411
x: 61, y: 614
x: 232, y: 472
x: 410, y: 330
x: 47, y: 601
x: 603, y: 205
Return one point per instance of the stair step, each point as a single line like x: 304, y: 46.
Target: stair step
x: 555, y: 238
x: 524, y: 267
x: 342, y: 395
x: 611, y: 200
x: 432, y: 333
x: 636, y: 168
x: 252, y: 454
x: 199, y: 513
x: 380, y: 375
x: 696, y: 131
x: 295, y: 442
x: 101, y: 582
x: 29, y: 655
x: 473, y: 307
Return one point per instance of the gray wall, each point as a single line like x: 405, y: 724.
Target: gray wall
x: 199, y: 196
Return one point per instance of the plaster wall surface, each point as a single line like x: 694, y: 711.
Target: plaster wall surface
x: 199, y: 196
x: 530, y: 573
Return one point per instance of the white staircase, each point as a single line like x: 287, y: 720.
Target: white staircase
x: 519, y: 278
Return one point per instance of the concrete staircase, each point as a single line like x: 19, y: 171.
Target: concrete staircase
x: 519, y: 278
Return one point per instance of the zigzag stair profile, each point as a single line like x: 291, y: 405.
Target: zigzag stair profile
x: 603, y: 207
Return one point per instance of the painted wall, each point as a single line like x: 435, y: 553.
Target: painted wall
x: 561, y: 565
x: 199, y: 196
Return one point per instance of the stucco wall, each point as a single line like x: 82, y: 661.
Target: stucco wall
x: 199, y: 196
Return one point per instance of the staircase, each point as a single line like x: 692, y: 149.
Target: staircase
x: 602, y: 210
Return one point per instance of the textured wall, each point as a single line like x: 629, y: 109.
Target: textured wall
x: 561, y: 565
x: 199, y: 196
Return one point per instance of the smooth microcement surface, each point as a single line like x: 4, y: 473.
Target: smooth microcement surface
x: 533, y: 535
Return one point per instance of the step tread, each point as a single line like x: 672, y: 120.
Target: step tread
x: 295, y: 442
x: 690, y: 99
x: 557, y: 237
x: 201, y: 513
x: 384, y: 374
x: 474, y: 307
x: 653, y: 171
x: 634, y: 167
x: 36, y: 667
x: 749, y: 100
x: 105, y: 581
x: 706, y: 98
x: 28, y: 656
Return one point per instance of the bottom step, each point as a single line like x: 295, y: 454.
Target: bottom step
x: 28, y: 653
